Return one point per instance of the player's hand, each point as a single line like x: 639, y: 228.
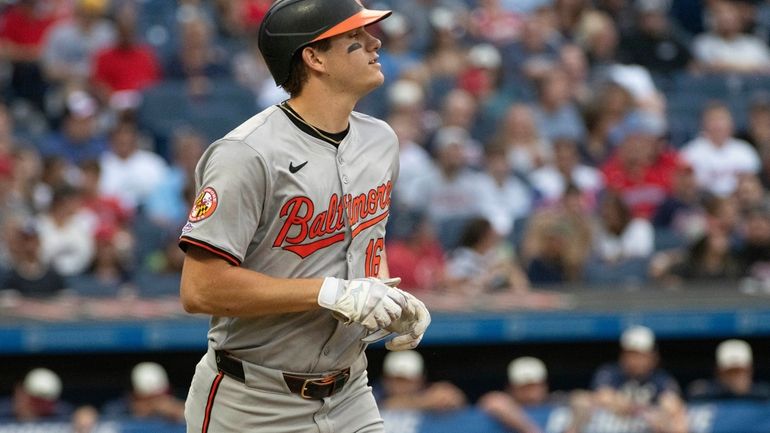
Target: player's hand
x: 367, y: 301
x: 411, y: 324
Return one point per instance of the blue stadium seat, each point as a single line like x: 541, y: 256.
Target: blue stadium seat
x: 153, y: 285
x: 88, y: 285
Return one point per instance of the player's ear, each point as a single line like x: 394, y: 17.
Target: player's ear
x: 312, y: 59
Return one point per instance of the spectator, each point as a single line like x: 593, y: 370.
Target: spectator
x: 78, y: 138
x: 168, y: 204
x: 528, y: 388
x: 733, y: 376
x: 416, y: 255
x: 121, y: 71
x: 150, y: 396
x: 682, y: 214
x: 705, y: 261
x: 30, y: 275
x: 642, y: 168
x: 636, y: 387
x: 482, y: 264
x: 71, y: 45
x: 717, y: 157
x: 446, y: 56
x: 556, y: 114
x: 197, y: 58
x: 597, y: 34
x: 67, y: 233
x: 573, y: 60
x: 110, y: 214
x: 758, y: 129
x: 557, y: 240
x: 622, y: 244
x: 37, y: 398
x: 749, y: 194
x: 754, y: 254
x: 128, y: 172
x: 726, y: 47
x: 507, y: 198
x: 655, y: 44
x: 532, y: 55
x: 482, y: 76
x: 490, y: 22
x: 414, y: 160
x: 404, y: 386
x: 526, y: 148
x: 453, y: 191
x: 23, y: 27
x: 551, y: 181
x: 428, y: 16
x: 606, y: 109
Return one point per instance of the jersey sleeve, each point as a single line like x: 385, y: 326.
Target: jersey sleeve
x: 232, y: 182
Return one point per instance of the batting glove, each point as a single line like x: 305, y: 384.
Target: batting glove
x: 367, y: 301
x: 410, y: 325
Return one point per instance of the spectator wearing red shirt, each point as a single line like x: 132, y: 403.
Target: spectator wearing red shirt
x: 641, y: 169
x: 416, y: 255
x: 123, y: 70
x: 23, y: 27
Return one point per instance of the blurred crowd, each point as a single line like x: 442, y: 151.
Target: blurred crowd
x: 634, y: 388
x: 615, y: 142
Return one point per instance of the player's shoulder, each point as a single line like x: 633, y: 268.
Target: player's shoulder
x: 261, y: 124
x: 370, y: 122
x: 373, y: 128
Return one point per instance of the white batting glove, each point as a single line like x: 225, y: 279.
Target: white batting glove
x: 367, y: 301
x: 410, y: 325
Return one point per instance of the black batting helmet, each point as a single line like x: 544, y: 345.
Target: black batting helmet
x: 291, y: 24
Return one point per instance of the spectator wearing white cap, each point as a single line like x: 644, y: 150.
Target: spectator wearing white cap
x: 36, y: 398
x: 636, y: 387
x: 150, y: 396
x: 733, y: 376
x: 527, y: 388
x: 404, y: 386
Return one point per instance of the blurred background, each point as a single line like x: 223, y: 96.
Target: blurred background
x: 582, y: 203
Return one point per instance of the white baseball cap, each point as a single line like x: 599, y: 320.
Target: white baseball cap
x: 638, y: 339
x: 406, y: 364
x: 42, y: 383
x: 734, y: 354
x: 526, y: 370
x: 149, y: 378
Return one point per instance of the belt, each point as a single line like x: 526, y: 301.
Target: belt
x: 308, y: 387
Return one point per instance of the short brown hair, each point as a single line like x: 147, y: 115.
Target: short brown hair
x: 298, y: 71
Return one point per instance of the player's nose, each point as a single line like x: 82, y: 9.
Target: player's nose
x: 372, y: 43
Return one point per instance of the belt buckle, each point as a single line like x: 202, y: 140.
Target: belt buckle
x: 323, y: 381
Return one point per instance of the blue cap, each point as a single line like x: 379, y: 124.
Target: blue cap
x: 637, y: 123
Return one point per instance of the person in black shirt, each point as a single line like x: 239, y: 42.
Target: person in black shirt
x: 29, y: 274
x: 655, y: 44
x: 733, y: 378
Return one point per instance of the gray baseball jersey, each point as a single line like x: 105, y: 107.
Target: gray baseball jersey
x: 277, y: 200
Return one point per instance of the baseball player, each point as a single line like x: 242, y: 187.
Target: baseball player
x: 284, y: 243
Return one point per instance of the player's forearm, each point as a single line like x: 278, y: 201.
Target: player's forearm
x: 212, y: 286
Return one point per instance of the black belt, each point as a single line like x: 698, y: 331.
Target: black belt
x: 312, y: 388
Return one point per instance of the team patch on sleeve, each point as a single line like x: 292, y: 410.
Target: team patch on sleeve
x: 205, y: 205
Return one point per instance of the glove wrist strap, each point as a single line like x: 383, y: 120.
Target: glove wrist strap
x: 327, y: 296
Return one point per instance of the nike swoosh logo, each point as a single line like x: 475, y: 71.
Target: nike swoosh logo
x: 295, y: 169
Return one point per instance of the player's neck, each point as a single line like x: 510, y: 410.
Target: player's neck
x: 325, y: 112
